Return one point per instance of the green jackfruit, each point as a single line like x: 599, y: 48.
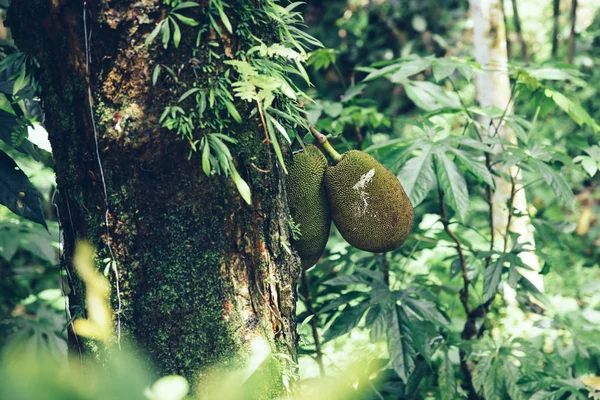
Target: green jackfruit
x: 309, y: 204
x: 368, y: 204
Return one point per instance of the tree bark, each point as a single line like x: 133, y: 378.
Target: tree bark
x: 200, y: 273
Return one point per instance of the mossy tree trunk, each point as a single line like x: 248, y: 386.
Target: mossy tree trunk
x: 201, y: 273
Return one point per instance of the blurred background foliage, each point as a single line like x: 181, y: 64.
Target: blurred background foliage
x: 546, y: 346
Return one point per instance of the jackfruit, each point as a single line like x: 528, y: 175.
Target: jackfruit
x: 368, y: 204
x: 309, y: 204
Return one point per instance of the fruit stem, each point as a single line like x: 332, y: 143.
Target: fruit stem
x: 328, y: 148
x: 321, y: 139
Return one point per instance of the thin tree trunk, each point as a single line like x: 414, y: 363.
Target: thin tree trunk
x: 555, y: 15
x: 201, y: 275
x: 571, y: 53
x: 493, y: 89
x: 506, y: 39
x: 519, y: 31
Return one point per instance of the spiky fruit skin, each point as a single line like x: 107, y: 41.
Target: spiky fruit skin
x: 309, y: 204
x: 368, y: 203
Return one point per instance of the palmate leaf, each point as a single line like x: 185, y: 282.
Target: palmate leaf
x: 429, y: 96
x: 493, y: 386
x: 452, y: 183
x: 560, y: 187
x: 346, y: 321
x: 477, y: 168
x: 341, y: 300
x: 480, y: 373
x: 491, y: 278
x: 17, y: 193
x: 427, y: 311
x: 421, y: 332
x: 417, y: 176
x: 400, y: 344
x: 446, y: 378
x: 511, y: 376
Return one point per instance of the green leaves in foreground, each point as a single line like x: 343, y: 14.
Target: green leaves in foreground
x: 17, y: 193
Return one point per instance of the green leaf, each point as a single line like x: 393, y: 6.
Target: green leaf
x: 511, y: 377
x: 185, y: 4
x: 275, y: 143
x: 9, y: 243
x: 241, y: 184
x: 417, y: 176
x: 377, y: 320
x: 427, y: 311
x: 421, y: 334
x: 166, y: 33
x: 187, y: 94
x: 453, y: 184
x: 224, y: 19
x: 341, y: 300
x: 442, y: 69
x: 17, y: 193
x: 493, y: 387
x: 346, y: 321
x: 561, y: 188
x: 477, y: 168
x: 410, y: 68
x: 279, y: 127
x: 205, y: 157
x: 576, y: 112
x: 154, y: 33
x: 589, y: 165
x: 378, y: 73
x: 480, y: 373
x: 429, y: 96
x: 344, y: 280
x: 400, y: 344
x: 232, y: 110
x: 185, y: 20
x: 176, y: 32
x: 446, y: 379
x: 220, y: 146
x: 155, y: 75
x: 491, y: 278
x: 352, y: 92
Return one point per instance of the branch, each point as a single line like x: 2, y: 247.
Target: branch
x: 464, y: 293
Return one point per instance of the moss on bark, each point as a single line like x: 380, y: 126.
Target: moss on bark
x: 201, y: 273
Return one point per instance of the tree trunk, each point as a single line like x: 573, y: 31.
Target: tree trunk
x: 555, y: 16
x: 200, y: 273
x: 493, y: 89
x: 519, y: 31
x: 571, y: 53
x: 506, y: 39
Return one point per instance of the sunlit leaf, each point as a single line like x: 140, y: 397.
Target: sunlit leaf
x: 452, y: 184
x: 418, y: 177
